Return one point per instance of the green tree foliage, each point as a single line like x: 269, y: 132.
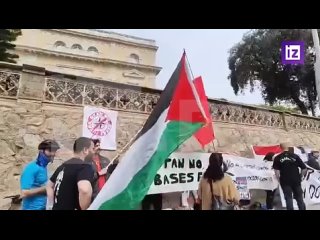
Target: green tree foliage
x: 281, y: 108
x: 256, y: 61
x: 7, y: 36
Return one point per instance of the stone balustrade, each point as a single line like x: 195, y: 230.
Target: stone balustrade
x: 30, y: 82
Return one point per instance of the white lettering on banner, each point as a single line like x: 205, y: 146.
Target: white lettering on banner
x: 183, y: 171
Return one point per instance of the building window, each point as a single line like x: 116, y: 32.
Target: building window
x: 93, y: 49
x: 76, y: 46
x: 59, y: 44
x: 134, y: 58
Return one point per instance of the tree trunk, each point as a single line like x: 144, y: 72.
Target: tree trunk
x: 294, y: 90
x: 312, y: 107
x: 312, y: 110
x: 300, y: 105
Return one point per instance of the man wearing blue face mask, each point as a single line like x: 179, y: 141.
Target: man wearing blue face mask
x: 34, y: 177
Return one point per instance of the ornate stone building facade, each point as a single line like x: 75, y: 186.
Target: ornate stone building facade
x: 93, y: 54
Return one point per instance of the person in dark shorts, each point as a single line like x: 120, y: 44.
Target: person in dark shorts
x: 70, y: 187
x: 286, y: 166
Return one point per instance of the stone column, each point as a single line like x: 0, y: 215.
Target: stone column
x: 285, y: 118
x: 32, y: 83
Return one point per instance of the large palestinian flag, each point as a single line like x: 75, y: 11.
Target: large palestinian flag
x: 176, y: 117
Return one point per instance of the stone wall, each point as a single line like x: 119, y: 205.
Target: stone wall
x: 24, y: 124
x: 36, y: 104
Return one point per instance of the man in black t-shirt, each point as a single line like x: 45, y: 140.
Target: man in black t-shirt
x: 70, y: 187
x: 286, y: 166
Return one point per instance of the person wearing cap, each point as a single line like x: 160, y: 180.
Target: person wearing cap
x: 34, y: 177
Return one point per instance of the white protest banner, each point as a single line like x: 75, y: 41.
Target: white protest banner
x: 310, y: 187
x: 100, y: 124
x: 180, y: 172
x: 183, y: 171
x: 258, y: 173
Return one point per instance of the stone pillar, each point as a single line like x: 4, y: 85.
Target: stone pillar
x: 285, y: 119
x: 32, y: 83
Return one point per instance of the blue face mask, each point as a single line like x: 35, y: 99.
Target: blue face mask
x: 43, y: 160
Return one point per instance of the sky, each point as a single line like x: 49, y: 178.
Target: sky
x: 207, y: 51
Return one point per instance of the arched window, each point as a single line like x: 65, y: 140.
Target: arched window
x: 59, y: 44
x: 134, y: 58
x: 93, y: 49
x: 76, y: 46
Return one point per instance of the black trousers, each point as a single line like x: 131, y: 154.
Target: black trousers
x: 269, y: 199
x: 296, y: 190
x: 154, y: 200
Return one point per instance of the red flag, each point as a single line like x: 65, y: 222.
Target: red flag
x: 263, y: 150
x: 259, y: 152
x: 205, y: 134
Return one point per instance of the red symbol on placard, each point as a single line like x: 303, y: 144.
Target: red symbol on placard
x: 99, y: 124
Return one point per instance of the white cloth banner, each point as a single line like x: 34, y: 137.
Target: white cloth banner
x: 258, y: 173
x: 183, y: 171
x: 100, y: 124
x: 310, y: 187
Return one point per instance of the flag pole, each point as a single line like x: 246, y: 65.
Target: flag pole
x: 214, y: 149
x: 193, y: 87
x: 315, y: 37
x: 134, y: 137
x: 125, y: 147
x: 184, y: 51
